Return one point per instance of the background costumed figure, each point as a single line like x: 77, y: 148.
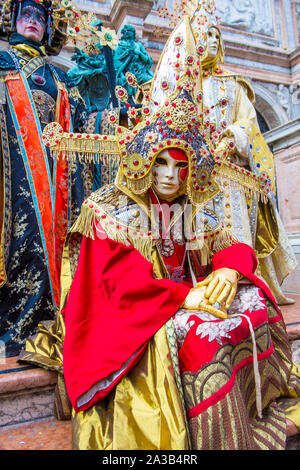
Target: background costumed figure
x: 228, y: 100
x: 172, y: 328
x: 41, y: 196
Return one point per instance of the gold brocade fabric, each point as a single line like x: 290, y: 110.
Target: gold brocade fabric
x: 30, y: 50
x: 261, y: 154
x: 143, y: 413
x: 266, y: 231
x: 275, y: 254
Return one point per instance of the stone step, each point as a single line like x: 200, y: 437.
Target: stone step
x: 44, y: 434
x: 26, y: 392
x: 291, y: 315
x: 293, y: 436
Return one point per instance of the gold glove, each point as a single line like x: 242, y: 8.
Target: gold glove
x: 195, y: 297
x: 221, y: 286
x: 196, y: 300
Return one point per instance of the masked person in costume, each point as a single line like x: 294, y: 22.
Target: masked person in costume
x: 171, y: 341
x: 230, y: 99
x: 41, y: 195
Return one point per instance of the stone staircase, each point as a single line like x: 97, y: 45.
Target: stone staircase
x: 27, y: 419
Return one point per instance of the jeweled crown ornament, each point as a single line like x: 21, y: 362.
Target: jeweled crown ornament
x: 205, y: 17
x: 179, y: 55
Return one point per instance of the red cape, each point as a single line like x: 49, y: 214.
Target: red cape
x: 114, y: 308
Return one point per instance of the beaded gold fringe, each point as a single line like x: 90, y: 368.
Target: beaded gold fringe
x: 88, y: 157
x: 87, y: 221
x: 250, y: 186
x: 199, y: 199
x: 140, y: 186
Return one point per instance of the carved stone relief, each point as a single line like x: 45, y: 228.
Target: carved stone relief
x: 273, y: 102
x: 253, y: 16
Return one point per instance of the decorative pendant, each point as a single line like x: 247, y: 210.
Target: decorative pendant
x: 176, y: 274
x: 166, y: 247
x: 38, y: 79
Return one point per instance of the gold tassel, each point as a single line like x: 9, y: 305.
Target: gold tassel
x: 140, y: 186
x: 87, y: 222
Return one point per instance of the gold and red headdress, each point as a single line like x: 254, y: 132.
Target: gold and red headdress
x: 173, y: 117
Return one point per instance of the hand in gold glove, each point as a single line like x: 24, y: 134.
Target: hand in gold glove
x: 195, y: 297
x: 220, y: 287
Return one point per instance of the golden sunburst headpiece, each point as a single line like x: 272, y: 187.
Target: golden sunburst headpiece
x: 87, y: 33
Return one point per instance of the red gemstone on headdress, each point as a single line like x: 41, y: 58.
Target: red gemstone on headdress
x: 135, y: 162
